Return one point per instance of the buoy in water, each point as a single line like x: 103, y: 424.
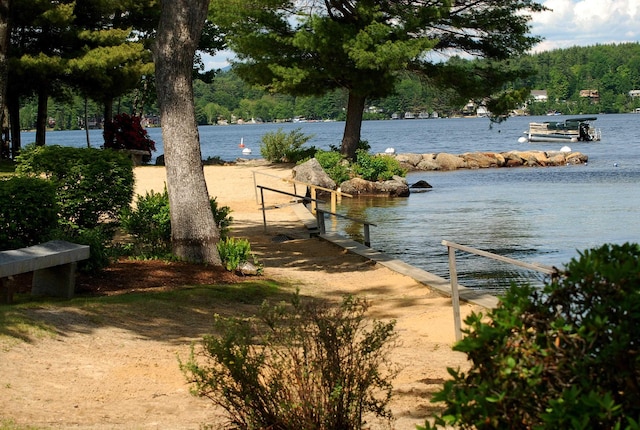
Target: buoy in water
x: 522, y: 139
x: 241, y: 142
x: 565, y: 149
x: 390, y: 151
x: 246, y: 151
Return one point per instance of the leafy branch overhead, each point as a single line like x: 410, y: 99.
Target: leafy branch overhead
x: 312, y: 48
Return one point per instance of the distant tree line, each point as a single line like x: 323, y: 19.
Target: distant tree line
x: 612, y: 70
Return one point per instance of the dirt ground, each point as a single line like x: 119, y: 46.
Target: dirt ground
x: 124, y: 374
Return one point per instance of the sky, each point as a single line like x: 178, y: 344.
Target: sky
x: 568, y: 23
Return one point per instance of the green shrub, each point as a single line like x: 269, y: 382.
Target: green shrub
x: 307, y: 366
x: 233, y: 252
x: 280, y: 147
x: 334, y: 165
x: 566, y: 356
x: 29, y: 212
x: 92, y: 185
x: 149, y: 222
x: 99, y: 239
x: 377, y: 167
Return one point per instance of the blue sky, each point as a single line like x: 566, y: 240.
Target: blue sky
x: 568, y: 23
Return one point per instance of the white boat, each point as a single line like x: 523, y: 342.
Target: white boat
x: 569, y: 130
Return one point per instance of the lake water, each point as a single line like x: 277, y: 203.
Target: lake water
x: 543, y: 215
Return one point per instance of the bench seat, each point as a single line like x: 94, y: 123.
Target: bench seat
x: 53, y: 265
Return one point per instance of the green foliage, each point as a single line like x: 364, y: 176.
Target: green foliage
x: 149, y: 222
x: 377, y: 167
x: 99, y: 239
x: 370, y: 167
x: 305, y: 366
x: 280, y: 147
x: 234, y: 252
x: 92, y: 185
x: 562, y: 357
x: 334, y: 165
x: 29, y: 211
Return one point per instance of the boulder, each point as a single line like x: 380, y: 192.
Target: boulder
x: 409, y: 161
x: 482, y: 160
x: 396, y: 187
x: 420, y: 187
x: 428, y: 162
x: 421, y: 184
x: 311, y: 172
x: 576, y: 158
x: 450, y: 162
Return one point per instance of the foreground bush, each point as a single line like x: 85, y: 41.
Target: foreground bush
x: 92, y: 185
x: 306, y: 366
x: 29, y: 212
x: 567, y: 356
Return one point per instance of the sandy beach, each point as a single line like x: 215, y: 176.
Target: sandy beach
x: 110, y: 378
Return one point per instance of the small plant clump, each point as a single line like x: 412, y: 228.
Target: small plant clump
x: 280, y: 147
x: 563, y: 357
x: 234, y: 252
x: 370, y: 167
x: 311, y: 366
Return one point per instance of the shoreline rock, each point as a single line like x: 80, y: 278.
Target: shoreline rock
x: 485, y: 160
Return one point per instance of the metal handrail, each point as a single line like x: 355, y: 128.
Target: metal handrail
x: 453, y: 274
x: 320, y: 213
x: 262, y: 188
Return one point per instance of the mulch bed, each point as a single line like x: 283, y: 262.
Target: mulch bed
x: 138, y: 275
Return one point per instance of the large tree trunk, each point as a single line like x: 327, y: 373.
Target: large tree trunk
x: 194, y: 234
x: 353, y: 125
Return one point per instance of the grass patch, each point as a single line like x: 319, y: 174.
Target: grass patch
x: 11, y: 425
x: 166, y: 315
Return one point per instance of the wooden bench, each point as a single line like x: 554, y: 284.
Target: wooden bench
x: 53, y: 265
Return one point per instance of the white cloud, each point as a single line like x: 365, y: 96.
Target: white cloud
x: 218, y: 61
x: 586, y: 22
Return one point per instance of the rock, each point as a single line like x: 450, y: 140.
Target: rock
x: 428, y: 163
x: 421, y: 184
x: 247, y: 269
x: 576, y: 158
x: 361, y: 187
x: 312, y: 173
x: 449, y: 161
x: 409, y: 161
x: 482, y: 160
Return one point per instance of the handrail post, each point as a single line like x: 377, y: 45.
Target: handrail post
x: 320, y: 221
x: 367, y: 236
x: 455, y: 294
x: 314, y: 205
x: 264, y: 215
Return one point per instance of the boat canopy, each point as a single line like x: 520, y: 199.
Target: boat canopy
x: 571, y: 123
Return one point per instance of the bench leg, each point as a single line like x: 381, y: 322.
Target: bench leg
x: 6, y: 290
x: 58, y: 281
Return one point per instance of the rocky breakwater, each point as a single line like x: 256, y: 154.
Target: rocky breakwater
x: 312, y: 173
x: 485, y: 160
